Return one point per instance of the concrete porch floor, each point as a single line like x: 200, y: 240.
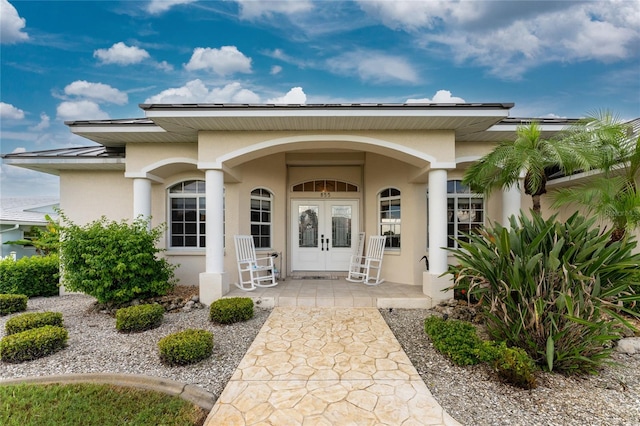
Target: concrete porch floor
x: 336, y: 291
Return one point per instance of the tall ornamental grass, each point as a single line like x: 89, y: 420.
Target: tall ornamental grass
x: 555, y: 289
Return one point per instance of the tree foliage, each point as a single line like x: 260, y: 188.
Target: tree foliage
x: 612, y: 193
x: 115, y: 261
x: 531, y: 155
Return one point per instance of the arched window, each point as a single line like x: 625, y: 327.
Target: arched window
x: 261, y: 205
x: 389, y: 202
x: 187, y: 214
x: 465, y: 211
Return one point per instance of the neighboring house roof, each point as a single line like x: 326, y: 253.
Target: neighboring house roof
x: 27, y: 210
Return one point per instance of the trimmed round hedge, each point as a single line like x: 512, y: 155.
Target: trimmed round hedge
x: 32, y: 344
x: 186, y: 347
x: 31, y: 320
x: 139, y: 318
x: 230, y: 310
x: 10, y: 303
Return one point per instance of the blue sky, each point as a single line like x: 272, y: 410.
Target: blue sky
x: 68, y: 60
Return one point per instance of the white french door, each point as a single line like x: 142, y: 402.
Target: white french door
x: 322, y: 234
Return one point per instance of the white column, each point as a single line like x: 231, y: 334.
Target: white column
x: 437, y: 221
x: 142, y: 198
x: 215, y: 221
x: 511, y: 202
x: 433, y: 283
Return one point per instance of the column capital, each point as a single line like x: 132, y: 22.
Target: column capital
x: 144, y: 175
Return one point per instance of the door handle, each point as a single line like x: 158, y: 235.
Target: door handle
x: 327, y: 244
x: 322, y: 242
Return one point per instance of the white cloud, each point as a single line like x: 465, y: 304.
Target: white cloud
x: 9, y: 112
x: 196, y: 91
x: 80, y: 110
x: 509, y: 38
x: 11, y: 24
x: 121, y: 54
x: 44, y: 123
x: 96, y: 91
x: 294, y: 96
x: 19, y: 149
x: 156, y: 7
x: 164, y: 66
x: 276, y: 69
x: 374, y: 67
x: 441, y: 97
x: 224, y: 61
x: 18, y: 182
x: 253, y: 9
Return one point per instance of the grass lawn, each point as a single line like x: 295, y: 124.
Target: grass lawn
x: 93, y: 404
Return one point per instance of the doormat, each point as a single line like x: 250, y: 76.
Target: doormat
x: 314, y: 277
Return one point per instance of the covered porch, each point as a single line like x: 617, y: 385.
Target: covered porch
x: 333, y: 290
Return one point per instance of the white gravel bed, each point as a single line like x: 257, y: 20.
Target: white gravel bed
x: 95, y: 346
x: 474, y: 396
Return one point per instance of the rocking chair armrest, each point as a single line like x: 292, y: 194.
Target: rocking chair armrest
x: 269, y: 260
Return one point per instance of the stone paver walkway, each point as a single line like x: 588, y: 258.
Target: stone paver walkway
x: 326, y: 366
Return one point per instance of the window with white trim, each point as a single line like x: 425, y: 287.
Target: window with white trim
x: 187, y: 204
x: 261, y: 204
x: 465, y: 212
x: 389, y: 203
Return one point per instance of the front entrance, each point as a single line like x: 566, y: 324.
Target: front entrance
x: 322, y: 234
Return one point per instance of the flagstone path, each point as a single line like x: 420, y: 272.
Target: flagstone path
x: 326, y: 366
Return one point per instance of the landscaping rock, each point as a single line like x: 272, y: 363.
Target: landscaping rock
x: 629, y: 345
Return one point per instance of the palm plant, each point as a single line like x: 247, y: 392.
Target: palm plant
x: 529, y: 154
x: 613, y: 194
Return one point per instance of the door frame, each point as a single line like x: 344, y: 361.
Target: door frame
x: 293, y: 228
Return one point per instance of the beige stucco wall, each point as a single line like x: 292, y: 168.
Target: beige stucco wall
x: 388, y: 161
x: 88, y: 195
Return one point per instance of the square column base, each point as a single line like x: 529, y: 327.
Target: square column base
x: 213, y: 286
x: 432, y: 286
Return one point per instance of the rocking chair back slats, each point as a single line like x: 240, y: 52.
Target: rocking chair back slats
x: 253, y: 271
x: 366, y: 269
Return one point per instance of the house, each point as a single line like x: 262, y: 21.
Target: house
x: 18, y: 216
x: 302, y: 179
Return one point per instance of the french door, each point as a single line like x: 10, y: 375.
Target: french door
x: 322, y: 234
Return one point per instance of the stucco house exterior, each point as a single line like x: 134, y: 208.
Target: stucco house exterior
x: 302, y: 179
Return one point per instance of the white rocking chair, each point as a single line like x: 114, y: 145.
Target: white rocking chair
x: 355, y: 263
x: 370, y: 265
x: 253, y: 272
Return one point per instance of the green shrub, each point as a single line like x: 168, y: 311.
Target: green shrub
x: 31, y: 320
x: 456, y: 339
x: 186, y: 347
x: 554, y: 289
x: 10, y: 303
x: 139, y: 318
x: 513, y: 365
x: 114, y: 261
x: 31, y: 276
x: 32, y: 344
x: 233, y: 309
